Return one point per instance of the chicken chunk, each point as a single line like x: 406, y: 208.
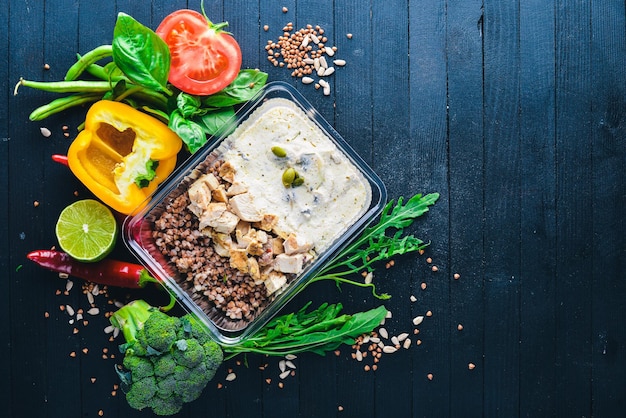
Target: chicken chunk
x: 242, y: 205
x: 275, y: 281
x: 289, y: 263
x: 294, y: 244
x: 212, y: 212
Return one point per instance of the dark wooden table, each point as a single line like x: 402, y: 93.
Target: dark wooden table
x: 513, y: 110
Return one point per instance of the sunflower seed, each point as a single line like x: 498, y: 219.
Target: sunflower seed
x: 316, y: 63
x: 307, y: 80
x: 69, y: 310
x: 230, y: 377
x: 282, y: 366
x: 359, y: 355
x: 407, y: 343
x: 339, y: 63
x: 323, y: 62
x: 69, y: 285
x: 375, y: 340
x: 284, y: 374
x: 93, y: 311
x: 305, y: 41
x: 324, y: 83
x: 389, y: 349
x: 291, y: 357
x: 329, y: 51
x: 403, y: 336
x: 315, y: 39
x: 395, y: 341
x: 90, y: 298
x: 45, y: 132
x: 383, y: 333
x: 321, y: 72
x: 329, y: 71
x: 326, y: 91
x: 109, y: 329
x: 418, y: 320
x: 290, y: 364
x: 309, y: 61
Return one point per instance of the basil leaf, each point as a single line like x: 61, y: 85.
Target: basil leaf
x: 242, y: 89
x: 141, y: 54
x: 118, y: 89
x: 190, y: 132
x: 216, y: 122
x: 189, y: 105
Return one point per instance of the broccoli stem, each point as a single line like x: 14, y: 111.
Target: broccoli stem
x: 131, y: 317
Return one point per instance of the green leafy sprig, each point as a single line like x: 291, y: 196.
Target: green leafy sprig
x: 374, y: 244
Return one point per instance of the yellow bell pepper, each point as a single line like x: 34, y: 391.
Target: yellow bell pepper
x: 122, y: 155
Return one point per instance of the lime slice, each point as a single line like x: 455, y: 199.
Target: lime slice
x: 87, y: 230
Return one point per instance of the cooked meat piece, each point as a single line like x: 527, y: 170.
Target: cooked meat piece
x: 289, y: 263
x: 243, y: 206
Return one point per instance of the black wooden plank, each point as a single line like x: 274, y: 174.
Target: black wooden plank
x: 609, y: 197
x: 574, y: 192
x: 392, y: 138
x: 465, y: 131
x: 538, y: 232
x: 27, y: 355
x: 6, y: 391
x: 427, y: 148
x: 501, y: 208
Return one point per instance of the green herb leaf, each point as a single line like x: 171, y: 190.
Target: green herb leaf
x: 217, y: 121
x: 375, y: 245
x: 144, y: 179
x: 317, y: 331
x: 191, y: 133
x: 243, y: 88
x: 140, y: 53
x: 189, y: 105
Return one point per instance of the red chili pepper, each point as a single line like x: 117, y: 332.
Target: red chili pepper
x: 107, y: 272
x: 61, y: 159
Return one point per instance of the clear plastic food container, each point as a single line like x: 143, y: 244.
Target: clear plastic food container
x: 244, y: 224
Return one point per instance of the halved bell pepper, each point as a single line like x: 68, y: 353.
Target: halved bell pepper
x: 122, y: 155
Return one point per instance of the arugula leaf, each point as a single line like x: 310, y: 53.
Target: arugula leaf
x: 243, y: 88
x: 375, y: 245
x: 141, y: 54
x: 317, y: 331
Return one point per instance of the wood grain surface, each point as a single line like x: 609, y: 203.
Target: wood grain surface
x: 514, y: 111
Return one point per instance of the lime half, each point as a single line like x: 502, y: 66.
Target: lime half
x: 87, y: 230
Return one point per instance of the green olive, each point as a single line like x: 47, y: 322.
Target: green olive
x: 289, y: 175
x: 279, y: 152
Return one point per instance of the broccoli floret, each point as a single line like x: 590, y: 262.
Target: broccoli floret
x: 159, y: 331
x: 141, y: 392
x: 168, y: 361
x: 213, y: 355
x: 167, y: 406
x: 166, y: 386
x: 163, y: 365
x: 194, y: 329
x: 139, y: 367
x: 188, y: 353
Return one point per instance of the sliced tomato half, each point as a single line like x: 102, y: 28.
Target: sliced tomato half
x: 205, y: 59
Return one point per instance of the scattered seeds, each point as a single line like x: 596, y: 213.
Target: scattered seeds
x: 429, y: 313
x: 459, y: 327
x: 93, y: 311
x: 231, y: 376
x: 69, y: 310
x: 285, y: 10
x: 284, y: 374
x: 388, y: 349
x: 383, y: 333
x: 471, y: 366
x: 407, y: 343
x: 36, y: 203
x: 418, y: 320
x: 457, y: 276
x: 266, y: 28
x: 339, y: 63
x: 307, y: 80
x: 429, y: 376
x: 413, y: 298
x: 45, y: 132
x: 46, y: 66
x: 349, y: 35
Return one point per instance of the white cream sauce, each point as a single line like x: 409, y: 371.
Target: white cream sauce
x: 334, y: 193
